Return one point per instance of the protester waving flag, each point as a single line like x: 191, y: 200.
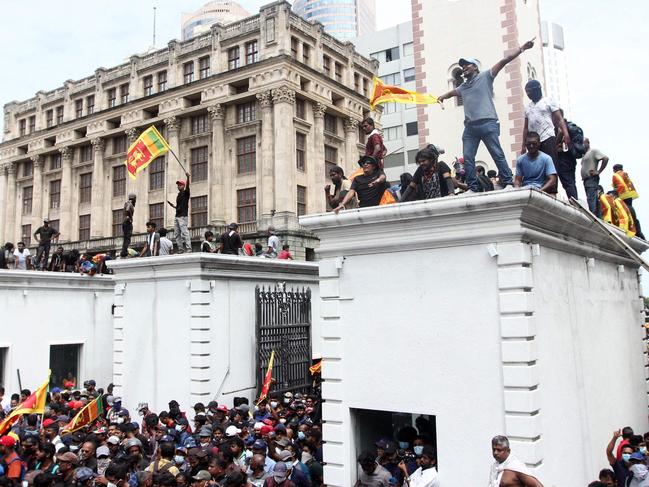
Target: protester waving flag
x: 268, y: 379
x: 148, y: 146
x: 86, y: 416
x: 34, y: 404
x: 382, y: 93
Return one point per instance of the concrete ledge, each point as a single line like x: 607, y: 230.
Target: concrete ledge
x: 52, y: 281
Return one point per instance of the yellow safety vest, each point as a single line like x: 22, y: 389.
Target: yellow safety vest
x: 623, y: 185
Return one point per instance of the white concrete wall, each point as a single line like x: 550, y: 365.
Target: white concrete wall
x: 185, y: 325
x: 39, y: 309
x: 483, y: 311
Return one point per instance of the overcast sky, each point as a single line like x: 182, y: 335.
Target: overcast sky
x: 46, y: 42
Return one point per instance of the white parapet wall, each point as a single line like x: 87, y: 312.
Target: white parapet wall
x: 498, y: 313
x: 184, y: 325
x: 41, y: 310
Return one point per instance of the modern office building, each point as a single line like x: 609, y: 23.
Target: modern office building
x: 443, y: 33
x: 557, y: 83
x: 256, y: 111
x: 222, y: 11
x: 344, y: 19
x: 393, y: 48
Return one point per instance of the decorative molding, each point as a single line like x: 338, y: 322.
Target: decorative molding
x: 265, y: 99
x: 98, y: 144
x: 283, y: 94
x: 37, y: 160
x: 11, y: 169
x: 216, y: 111
x: 172, y: 124
x: 66, y: 153
x: 351, y: 125
x: 319, y: 109
x: 132, y: 134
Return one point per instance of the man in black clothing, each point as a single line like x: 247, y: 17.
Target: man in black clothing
x: 44, y: 236
x: 484, y: 182
x: 127, y: 224
x: 57, y: 264
x: 183, y: 241
x: 432, y: 179
x: 231, y: 240
x: 369, y: 186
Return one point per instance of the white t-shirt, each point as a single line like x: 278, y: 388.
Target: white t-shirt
x: 165, y: 246
x: 539, y: 117
x: 424, y: 478
x: 21, y: 258
x: 273, y: 241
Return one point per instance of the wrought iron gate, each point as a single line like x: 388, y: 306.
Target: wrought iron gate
x: 284, y: 325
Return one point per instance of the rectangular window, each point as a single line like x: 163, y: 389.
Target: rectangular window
x: 392, y: 54
x: 26, y: 235
x: 85, y: 188
x: 199, y: 124
x: 306, y: 53
x: 49, y: 118
x: 411, y: 128
x: 270, y: 30
x: 246, y: 154
x: 246, y: 205
x: 119, y: 144
x: 55, y: 193
x: 84, y: 227
x: 379, y: 56
x: 64, y: 362
x: 408, y: 75
x: 198, y: 211
x: 59, y: 115
x: 156, y: 214
x: 157, y: 174
x: 28, y: 169
x: 331, y: 158
x: 392, y: 79
x: 118, y: 219
x: 365, y: 86
x: 147, y: 85
x: 162, y: 81
x: 90, y: 104
x: 123, y: 93
x: 119, y: 181
x: 300, y: 108
x: 204, y: 67
x: 85, y: 153
x: 55, y: 162
x: 330, y: 123
x: 408, y: 49
x: 28, y: 194
x: 246, y: 112
x: 294, y: 45
x: 392, y: 133
x: 252, y: 52
x: 112, y: 97
x: 326, y: 64
x: 233, y: 58
x: 199, y: 164
x: 188, y: 72
x: 55, y: 224
x: 22, y: 127
x: 78, y: 108
x: 338, y: 68
x: 300, y: 151
x: 301, y: 200
x: 32, y: 124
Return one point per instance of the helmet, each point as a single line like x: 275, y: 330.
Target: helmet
x: 132, y: 442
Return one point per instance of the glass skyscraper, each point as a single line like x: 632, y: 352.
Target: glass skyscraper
x: 344, y: 19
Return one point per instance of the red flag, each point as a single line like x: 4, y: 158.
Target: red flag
x: 268, y: 379
x: 34, y: 404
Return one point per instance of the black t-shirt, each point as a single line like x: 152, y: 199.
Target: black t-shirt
x: 368, y: 196
x: 46, y: 233
x: 621, y: 473
x: 231, y: 243
x: 182, y: 202
x: 418, y: 179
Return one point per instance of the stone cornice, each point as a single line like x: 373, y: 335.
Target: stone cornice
x: 199, y: 265
x: 53, y: 281
x: 526, y: 215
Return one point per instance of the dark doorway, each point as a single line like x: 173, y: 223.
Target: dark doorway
x: 64, y: 363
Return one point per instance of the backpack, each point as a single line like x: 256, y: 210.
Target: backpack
x: 4, y: 467
x: 577, y: 149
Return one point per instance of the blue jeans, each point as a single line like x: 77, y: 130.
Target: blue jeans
x: 487, y: 131
x: 590, y: 186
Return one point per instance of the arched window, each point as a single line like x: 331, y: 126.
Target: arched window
x: 531, y: 72
x: 457, y: 81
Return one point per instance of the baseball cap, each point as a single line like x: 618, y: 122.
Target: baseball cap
x: 202, y: 475
x: 223, y: 408
x: 48, y: 422
x: 265, y: 430
x: 113, y: 440
x: 468, y: 60
x: 181, y: 181
x: 103, y: 451
x: 233, y: 226
x: 637, y: 456
x: 285, y: 455
x: 7, y: 441
x: 46, y: 220
x: 363, y: 160
x: 279, y: 472
x: 232, y: 430
x: 82, y: 474
x: 68, y: 457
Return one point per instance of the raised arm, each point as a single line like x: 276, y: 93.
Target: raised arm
x: 506, y: 60
x: 610, y: 446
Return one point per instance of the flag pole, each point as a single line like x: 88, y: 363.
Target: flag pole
x: 181, y: 164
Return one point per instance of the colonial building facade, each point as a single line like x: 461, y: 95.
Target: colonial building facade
x: 256, y: 110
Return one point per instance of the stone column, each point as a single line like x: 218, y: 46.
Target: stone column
x: 65, y: 205
x: 10, y: 214
x: 3, y: 199
x: 139, y: 186
x: 284, y: 133
x: 173, y: 171
x: 98, y: 183
x: 37, y: 192
x: 316, y: 170
x: 266, y: 168
x: 217, y: 173
x: 351, y: 142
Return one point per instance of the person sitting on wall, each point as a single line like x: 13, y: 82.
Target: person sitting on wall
x: 208, y: 245
x: 336, y: 191
x: 432, y: 179
x: 369, y: 186
x: 535, y: 168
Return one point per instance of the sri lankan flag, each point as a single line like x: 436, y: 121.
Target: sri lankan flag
x: 316, y: 368
x: 34, y: 404
x: 86, y: 416
x: 145, y: 150
x: 382, y: 93
x: 268, y: 379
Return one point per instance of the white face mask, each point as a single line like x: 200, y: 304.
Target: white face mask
x: 273, y: 404
x: 119, y: 420
x: 306, y: 457
x: 179, y: 459
x: 179, y: 427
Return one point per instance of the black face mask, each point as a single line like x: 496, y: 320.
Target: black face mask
x: 535, y: 94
